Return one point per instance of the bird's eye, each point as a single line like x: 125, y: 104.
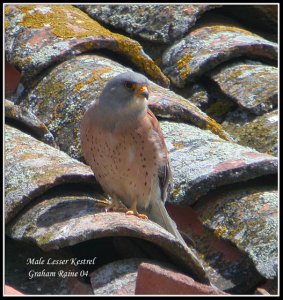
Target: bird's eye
x: 129, y: 85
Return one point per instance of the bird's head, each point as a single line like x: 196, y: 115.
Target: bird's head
x: 125, y: 94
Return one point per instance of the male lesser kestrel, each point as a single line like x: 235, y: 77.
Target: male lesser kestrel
x: 123, y: 144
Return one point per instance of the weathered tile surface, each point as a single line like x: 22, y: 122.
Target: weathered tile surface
x: 249, y: 219
x: 38, y: 36
x: 32, y: 167
x: 27, y: 121
x: 208, y: 46
x: 201, y: 161
x: 261, y: 133
x: 253, y: 86
x: 116, y: 278
x: 57, y: 222
x: 227, y: 267
x: 153, y: 22
x: 154, y: 278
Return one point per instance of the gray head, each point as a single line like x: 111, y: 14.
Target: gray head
x: 125, y: 94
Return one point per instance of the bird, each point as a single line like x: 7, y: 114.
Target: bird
x: 122, y: 142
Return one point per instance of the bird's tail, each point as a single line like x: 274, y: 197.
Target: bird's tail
x: 158, y: 214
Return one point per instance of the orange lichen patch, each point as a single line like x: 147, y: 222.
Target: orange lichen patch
x: 178, y: 146
x: 89, y: 45
x: 184, y: 61
x: 216, y: 128
x: 85, y: 95
x: 176, y: 191
x: 27, y: 156
x: 42, y: 126
x: 96, y: 74
x: 79, y: 86
x: 198, y: 117
x: 134, y: 51
x: 7, y: 10
x: 58, y: 109
x: 183, y: 64
x: 220, y: 230
x: 67, y: 21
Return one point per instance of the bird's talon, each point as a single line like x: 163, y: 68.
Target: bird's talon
x: 104, y: 203
x: 130, y: 213
x: 114, y: 205
x: 142, y: 216
x: 133, y: 213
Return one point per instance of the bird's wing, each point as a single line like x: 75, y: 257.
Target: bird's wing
x: 164, y: 171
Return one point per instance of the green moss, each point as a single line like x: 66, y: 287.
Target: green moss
x: 58, y: 110
x: 51, y: 90
x: 158, y: 61
x: 259, y: 134
x: 219, y: 108
x: 264, y: 138
x: 10, y: 189
x: 232, y: 232
x: 44, y: 240
x: 235, y: 74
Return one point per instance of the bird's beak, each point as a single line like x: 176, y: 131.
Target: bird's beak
x: 142, y: 91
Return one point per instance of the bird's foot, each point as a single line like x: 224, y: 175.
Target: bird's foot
x: 118, y: 206
x: 135, y: 213
x: 114, y: 205
x: 104, y: 203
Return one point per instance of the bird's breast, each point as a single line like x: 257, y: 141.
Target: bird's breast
x: 125, y: 163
